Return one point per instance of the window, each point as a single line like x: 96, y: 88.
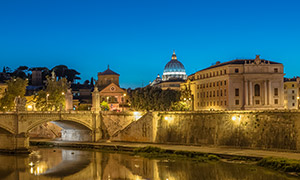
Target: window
x: 224, y: 83
x: 237, y: 92
x: 220, y: 83
x: 217, y: 83
x: 293, y: 91
x: 221, y: 103
x: 214, y: 84
x: 237, y: 102
x: 198, y: 104
x: 293, y: 104
x: 256, y: 101
x: 214, y: 74
x: 197, y: 95
x: 293, y: 85
x: 275, y: 70
x: 257, y: 90
x: 225, y: 71
x: 209, y: 84
x: 210, y: 94
x: 236, y: 70
x: 214, y: 93
x: 293, y: 97
x: 224, y: 92
x: 225, y: 103
x: 217, y: 93
x: 275, y: 101
x: 221, y: 72
x: 275, y: 91
x: 207, y: 94
x: 221, y: 92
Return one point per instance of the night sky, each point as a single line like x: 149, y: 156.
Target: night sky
x: 136, y: 38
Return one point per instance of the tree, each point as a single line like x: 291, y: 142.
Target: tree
x: 53, y: 97
x: 153, y: 98
x: 104, y: 106
x: 21, y: 72
x: 15, y: 88
x: 62, y: 71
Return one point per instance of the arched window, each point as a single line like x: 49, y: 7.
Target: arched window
x: 257, y: 90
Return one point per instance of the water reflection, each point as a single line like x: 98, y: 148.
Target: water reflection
x: 46, y: 164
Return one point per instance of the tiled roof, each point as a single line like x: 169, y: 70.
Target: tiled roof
x: 109, y: 72
x: 239, y: 61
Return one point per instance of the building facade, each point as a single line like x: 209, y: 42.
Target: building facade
x: 291, y: 93
x: 110, y: 91
x: 242, y: 84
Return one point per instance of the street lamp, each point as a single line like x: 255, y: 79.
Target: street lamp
x: 47, y: 96
x: 123, y: 99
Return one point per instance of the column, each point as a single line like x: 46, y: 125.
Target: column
x: 246, y: 93
x: 266, y: 92
x: 251, y: 93
x: 270, y: 93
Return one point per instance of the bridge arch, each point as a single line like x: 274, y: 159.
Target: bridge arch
x: 71, y: 129
x: 67, y: 123
x: 6, y: 130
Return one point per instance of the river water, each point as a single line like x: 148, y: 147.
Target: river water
x: 68, y: 164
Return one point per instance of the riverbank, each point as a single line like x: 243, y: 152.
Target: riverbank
x: 223, y: 152
x: 288, y: 162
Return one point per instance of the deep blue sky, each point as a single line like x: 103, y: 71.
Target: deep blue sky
x: 136, y: 38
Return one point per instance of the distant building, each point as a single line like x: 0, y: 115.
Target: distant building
x: 82, y: 96
x: 174, y: 74
x: 248, y: 84
x: 291, y: 93
x: 110, y: 91
x: 37, y: 79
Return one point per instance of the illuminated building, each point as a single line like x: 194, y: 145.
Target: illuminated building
x: 174, y: 74
x: 110, y: 91
x: 291, y: 93
x: 247, y: 84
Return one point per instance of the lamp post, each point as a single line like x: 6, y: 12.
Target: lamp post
x: 123, y: 99
x: 47, y: 96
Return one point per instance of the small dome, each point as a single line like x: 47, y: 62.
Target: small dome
x: 174, y: 69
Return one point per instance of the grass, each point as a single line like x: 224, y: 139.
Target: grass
x: 155, y: 152
x: 280, y: 164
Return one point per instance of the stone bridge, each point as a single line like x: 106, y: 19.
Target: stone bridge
x: 76, y: 125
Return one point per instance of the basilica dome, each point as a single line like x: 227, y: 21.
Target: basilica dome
x: 174, y: 69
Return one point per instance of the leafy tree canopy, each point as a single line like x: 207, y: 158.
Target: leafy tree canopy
x: 153, y: 98
x: 53, y: 97
x: 15, y: 88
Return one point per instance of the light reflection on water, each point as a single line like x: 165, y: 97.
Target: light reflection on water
x: 54, y: 164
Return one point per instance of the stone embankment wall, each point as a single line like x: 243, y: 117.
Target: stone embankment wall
x: 252, y: 129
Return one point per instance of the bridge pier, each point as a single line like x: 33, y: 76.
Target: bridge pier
x: 14, y: 143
